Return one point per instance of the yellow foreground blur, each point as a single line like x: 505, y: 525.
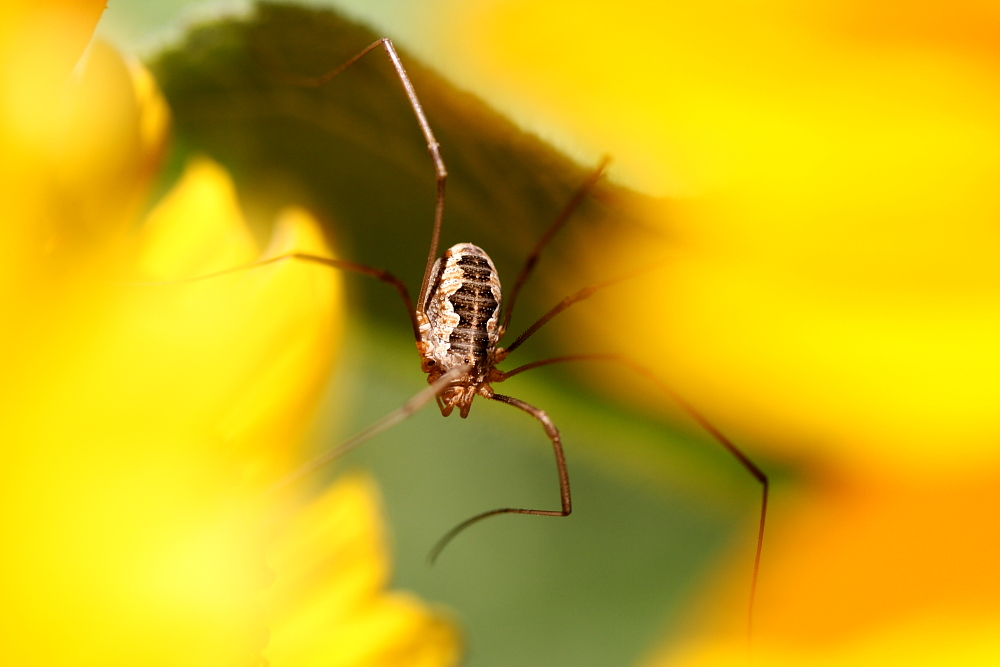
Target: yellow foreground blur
x: 143, y: 425
x: 832, y: 293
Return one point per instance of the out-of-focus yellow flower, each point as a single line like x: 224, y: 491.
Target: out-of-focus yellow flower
x: 329, y: 606
x: 834, y: 241
x: 142, y: 425
x: 832, y: 291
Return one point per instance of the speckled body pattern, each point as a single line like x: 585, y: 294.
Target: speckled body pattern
x: 461, y: 312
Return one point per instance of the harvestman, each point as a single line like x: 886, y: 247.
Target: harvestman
x: 458, y: 324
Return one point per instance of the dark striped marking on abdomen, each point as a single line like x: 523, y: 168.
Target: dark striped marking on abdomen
x: 475, y: 305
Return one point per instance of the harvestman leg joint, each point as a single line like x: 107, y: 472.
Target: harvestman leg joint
x: 458, y: 322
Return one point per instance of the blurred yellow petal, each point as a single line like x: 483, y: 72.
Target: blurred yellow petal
x: 328, y: 601
x: 141, y: 423
x: 154, y: 117
x: 863, y: 557
x: 144, y: 423
x: 832, y: 277
x: 100, y: 165
x: 252, y: 393
x: 145, y: 437
x: 831, y: 291
x: 852, y: 566
x: 40, y: 42
x: 921, y: 642
x: 288, y: 382
x: 201, y: 212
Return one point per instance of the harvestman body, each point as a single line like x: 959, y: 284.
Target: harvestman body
x: 458, y: 323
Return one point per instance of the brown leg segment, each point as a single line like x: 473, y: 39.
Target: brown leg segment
x: 432, y: 144
x: 564, y: 493
x: 561, y: 218
x: 408, y: 409
x: 585, y: 293
x: 342, y: 264
x: 561, y: 306
x: 744, y: 461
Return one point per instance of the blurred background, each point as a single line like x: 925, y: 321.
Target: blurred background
x: 821, y: 181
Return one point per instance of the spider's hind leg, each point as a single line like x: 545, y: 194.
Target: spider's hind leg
x: 565, y: 497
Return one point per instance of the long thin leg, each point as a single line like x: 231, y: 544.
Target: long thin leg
x: 564, y: 495
x: 342, y: 264
x: 561, y: 218
x: 569, y: 301
x: 432, y: 144
x: 744, y: 461
x: 409, y: 408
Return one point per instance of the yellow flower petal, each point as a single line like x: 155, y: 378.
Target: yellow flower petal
x: 247, y: 352
x: 197, y: 228
x: 831, y: 289
x: 329, y: 606
x: 154, y: 116
x: 147, y: 426
x: 100, y: 167
x: 132, y: 474
x: 40, y: 42
x: 832, y: 257
x: 143, y: 424
x: 918, y: 642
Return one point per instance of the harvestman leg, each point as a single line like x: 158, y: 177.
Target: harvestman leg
x: 726, y: 443
x: 564, y: 493
x: 441, y: 174
x: 342, y: 264
x: 555, y: 226
x: 550, y: 429
x: 566, y: 303
x: 434, y: 390
x: 404, y: 412
x: 408, y: 409
x: 433, y: 147
x: 582, y: 294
